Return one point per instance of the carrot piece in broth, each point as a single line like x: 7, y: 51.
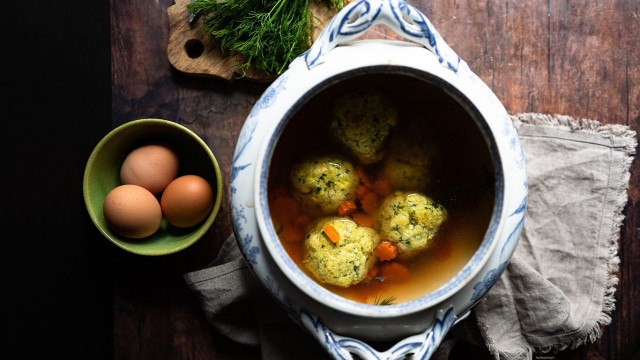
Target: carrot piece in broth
x: 369, y: 202
x: 363, y: 176
x: 285, y: 208
x: 361, y: 191
x: 347, y: 208
x: 394, y: 272
x: 301, y: 220
x: 386, y: 250
x: 381, y: 187
x: 362, y: 219
x: 291, y: 233
x: 373, y: 272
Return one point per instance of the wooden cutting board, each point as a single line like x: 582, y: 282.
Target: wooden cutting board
x: 193, y: 51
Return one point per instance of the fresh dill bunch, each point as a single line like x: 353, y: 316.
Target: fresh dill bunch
x: 268, y: 34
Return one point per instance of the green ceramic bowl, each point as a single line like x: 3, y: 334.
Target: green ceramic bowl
x: 102, y: 174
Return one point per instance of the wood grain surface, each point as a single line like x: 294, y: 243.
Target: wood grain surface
x: 577, y: 58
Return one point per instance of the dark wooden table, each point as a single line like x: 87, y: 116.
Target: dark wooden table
x: 578, y: 58
x: 79, y: 68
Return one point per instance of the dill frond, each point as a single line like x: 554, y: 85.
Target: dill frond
x: 383, y: 302
x: 268, y: 34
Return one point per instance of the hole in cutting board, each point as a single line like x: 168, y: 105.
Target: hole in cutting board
x: 194, y: 48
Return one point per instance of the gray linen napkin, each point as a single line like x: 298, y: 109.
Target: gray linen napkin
x: 558, y: 289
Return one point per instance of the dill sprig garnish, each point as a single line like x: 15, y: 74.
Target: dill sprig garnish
x: 268, y: 34
x: 388, y: 301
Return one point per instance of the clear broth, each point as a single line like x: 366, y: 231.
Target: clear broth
x: 463, y: 182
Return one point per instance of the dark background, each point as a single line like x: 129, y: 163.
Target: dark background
x: 57, y: 283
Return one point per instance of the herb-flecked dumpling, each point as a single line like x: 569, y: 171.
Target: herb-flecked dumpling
x: 345, y: 262
x: 408, y: 164
x: 321, y: 184
x: 362, y: 122
x: 410, y: 220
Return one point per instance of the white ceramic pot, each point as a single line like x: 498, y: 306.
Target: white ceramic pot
x: 342, y: 326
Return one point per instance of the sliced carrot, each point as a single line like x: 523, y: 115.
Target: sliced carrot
x: 386, y: 250
x: 285, y: 208
x: 301, y: 220
x: 364, y: 178
x: 381, y: 187
x: 291, y: 233
x: 373, y: 272
x: 362, y: 219
x: 331, y: 232
x: 369, y: 202
x: 347, y: 208
x: 395, y: 272
x: 362, y: 191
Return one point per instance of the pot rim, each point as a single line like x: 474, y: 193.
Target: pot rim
x: 316, y: 291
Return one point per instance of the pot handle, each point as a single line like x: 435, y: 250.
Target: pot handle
x: 420, y: 346
x: 360, y: 15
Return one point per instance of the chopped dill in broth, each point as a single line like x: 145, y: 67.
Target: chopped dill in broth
x: 381, y: 188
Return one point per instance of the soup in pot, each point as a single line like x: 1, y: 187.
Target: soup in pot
x: 381, y: 188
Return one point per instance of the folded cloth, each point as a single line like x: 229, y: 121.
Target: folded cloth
x: 238, y: 307
x: 558, y: 289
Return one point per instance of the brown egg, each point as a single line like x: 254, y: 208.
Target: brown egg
x: 132, y: 211
x: 187, y: 201
x: 152, y: 166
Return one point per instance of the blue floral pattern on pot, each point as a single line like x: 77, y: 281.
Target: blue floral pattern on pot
x: 510, y: 134
x: 246, y: 135
x: 238, y: 212
x: 318, y: 310
x: 418, y: 347
x: 360, y: 15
